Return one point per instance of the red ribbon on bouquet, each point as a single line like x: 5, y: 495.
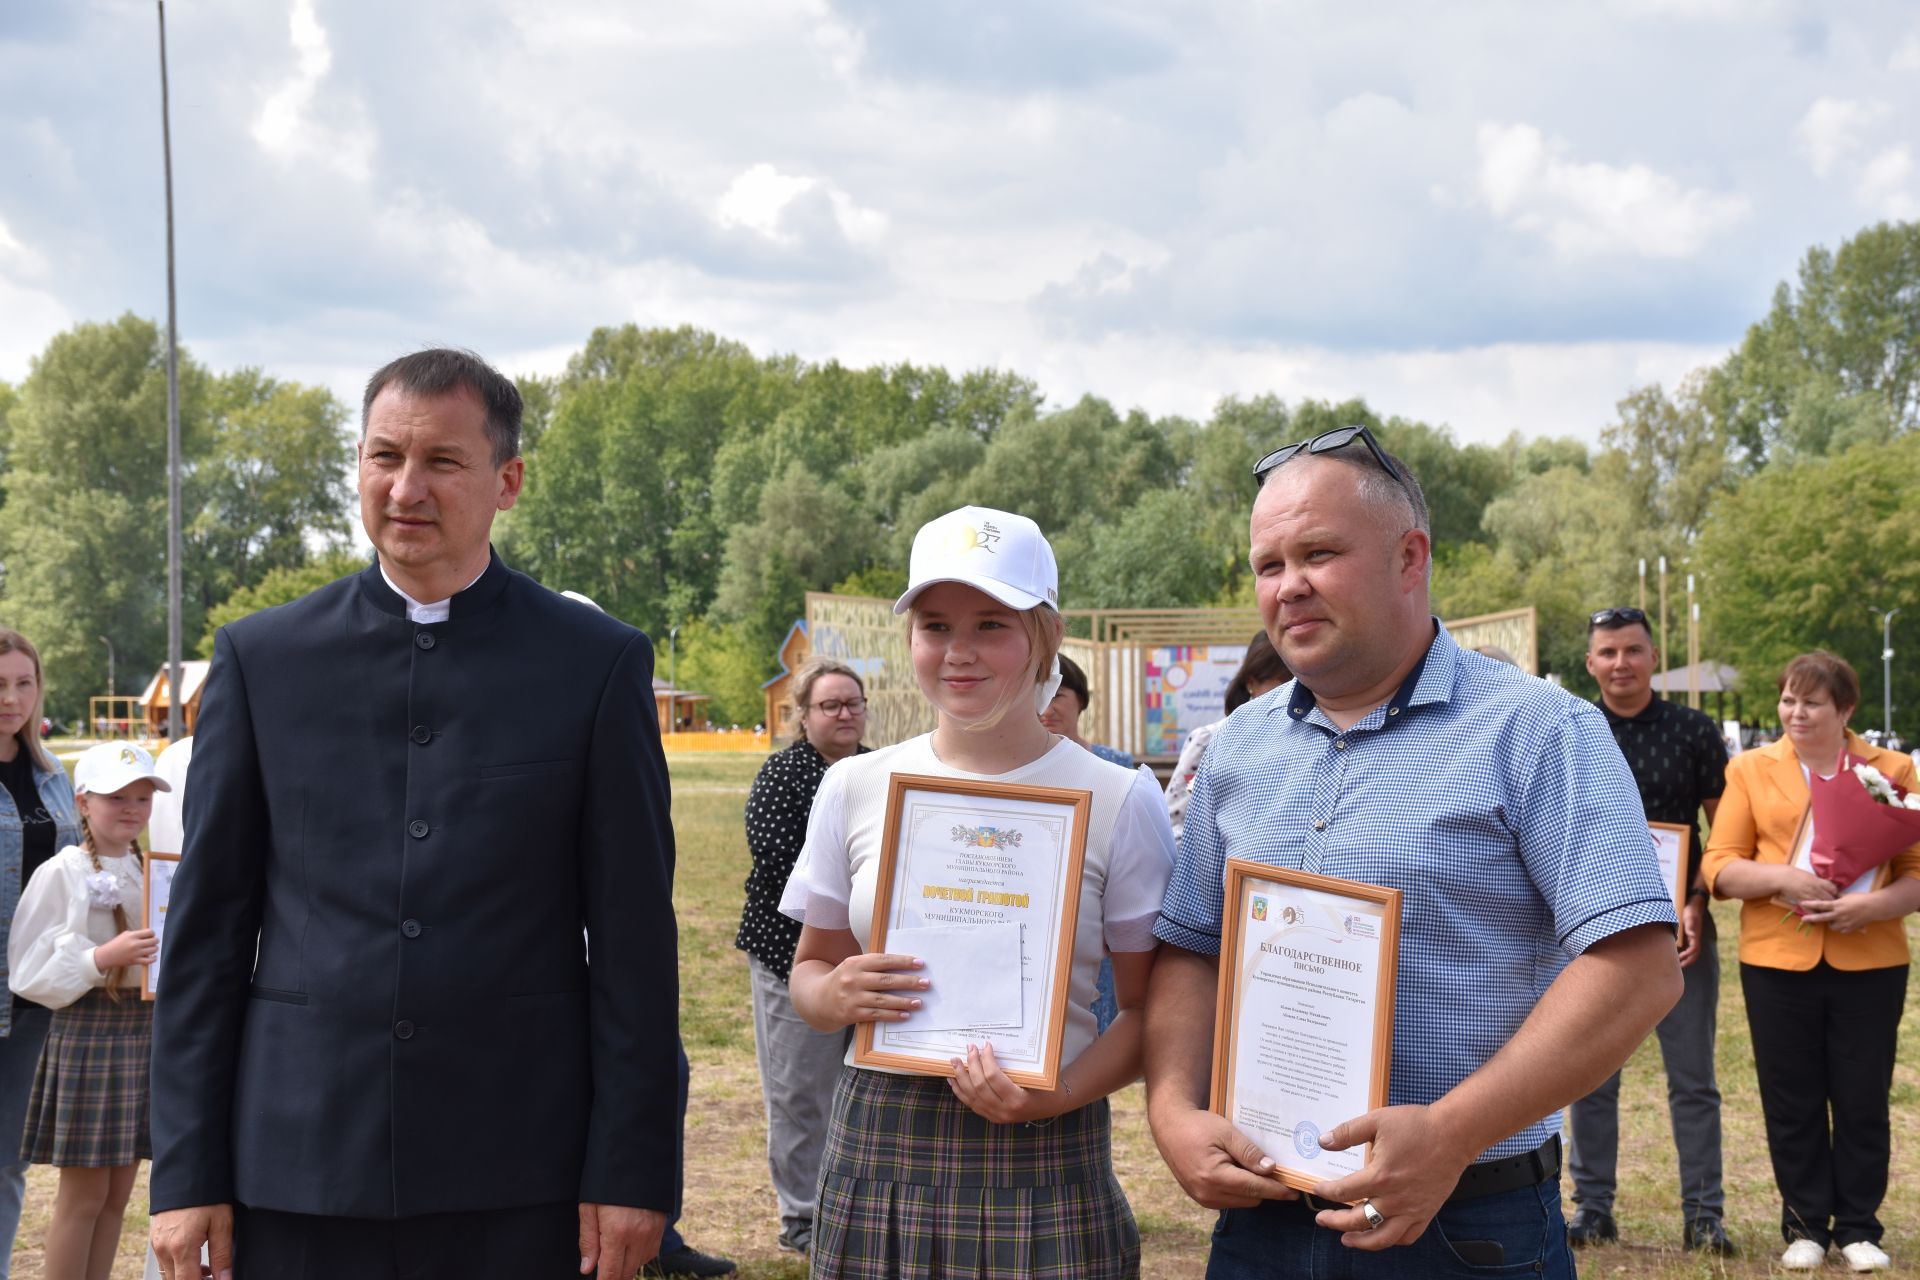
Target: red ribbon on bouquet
x: 1852, y: 832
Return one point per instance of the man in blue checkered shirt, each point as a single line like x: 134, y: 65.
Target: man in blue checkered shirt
x: 1537, y: 939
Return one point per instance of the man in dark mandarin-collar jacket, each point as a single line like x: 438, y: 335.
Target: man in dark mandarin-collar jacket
x: 382, y: 1049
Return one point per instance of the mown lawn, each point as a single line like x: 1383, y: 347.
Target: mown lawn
x: 730, y: 1208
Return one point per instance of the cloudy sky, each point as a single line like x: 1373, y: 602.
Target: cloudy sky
x: 1501, y: 216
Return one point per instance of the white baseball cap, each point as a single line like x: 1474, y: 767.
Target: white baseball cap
x: 106, y: 767
x: 997, y: 552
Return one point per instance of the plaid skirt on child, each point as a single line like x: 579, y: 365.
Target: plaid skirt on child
x: 89, y: 1103
x: 914, y: 1186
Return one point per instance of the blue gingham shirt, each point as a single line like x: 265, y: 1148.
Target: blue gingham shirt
x: 1497, y: 804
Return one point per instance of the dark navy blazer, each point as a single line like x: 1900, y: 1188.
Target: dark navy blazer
x: 376, y: 997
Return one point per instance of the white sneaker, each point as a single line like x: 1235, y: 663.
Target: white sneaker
x: 1865, y: 1255
x: 1804, y: 1255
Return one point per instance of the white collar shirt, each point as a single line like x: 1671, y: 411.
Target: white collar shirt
x: 438, y: 611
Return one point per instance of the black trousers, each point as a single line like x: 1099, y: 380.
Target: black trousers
x: 539, y: 1242
x: 1824, y: 1042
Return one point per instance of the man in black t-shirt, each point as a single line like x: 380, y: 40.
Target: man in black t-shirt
x: 1680, y: 763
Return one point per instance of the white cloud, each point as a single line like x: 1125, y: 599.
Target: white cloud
x: 28, y: 311
x: 1907, y: 56
x: 289, y: 125
x: 1886, y: 184
x: 1841, y: 138
x: 761, y: 198
x: 1590, y: 209
x: 1834, y: 129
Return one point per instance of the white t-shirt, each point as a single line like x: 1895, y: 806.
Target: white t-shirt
x: 1129, y: 856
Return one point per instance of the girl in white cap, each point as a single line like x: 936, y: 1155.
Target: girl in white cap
x: 976, y: 1176
x: 73, y: 949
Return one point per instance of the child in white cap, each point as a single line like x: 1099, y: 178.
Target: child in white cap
x: 74, y: 949
x: 975, y: 1175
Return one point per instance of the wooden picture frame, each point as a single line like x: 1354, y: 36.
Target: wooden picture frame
x: 978, y: 853
x: 156, y: 892
x: 1347, y: 933
x: 1666, y: 836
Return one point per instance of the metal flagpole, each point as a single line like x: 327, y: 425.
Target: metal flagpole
x: 173, y: 411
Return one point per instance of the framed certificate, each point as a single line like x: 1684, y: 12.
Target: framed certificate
x: 1303, y: 1028
x: 156, y: 891
x: 1672, y: 842
x: 981, y: 881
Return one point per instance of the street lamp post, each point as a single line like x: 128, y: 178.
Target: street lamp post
x: 1886, y: 672
x: 673, y: 678
x: 173, y: 411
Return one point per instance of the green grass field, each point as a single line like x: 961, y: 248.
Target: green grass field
x: 730, y: 1208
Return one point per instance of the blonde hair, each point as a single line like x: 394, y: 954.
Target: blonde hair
x: 1046, y: 631
x: 120, y: 921
x: 12, y: 641
x: 809, y: 675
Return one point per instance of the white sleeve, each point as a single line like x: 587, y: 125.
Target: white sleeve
x: 821, y: 884
x: 49, y: 955
x: 1139, y: 864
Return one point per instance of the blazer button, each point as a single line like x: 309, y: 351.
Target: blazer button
x: 418, y: 829
x: 424, y: 639
x: 403, y: 1030
x: 410, y: 927
x: 421, y: 734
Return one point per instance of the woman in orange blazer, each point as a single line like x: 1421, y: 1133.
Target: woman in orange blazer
x: 1824, y: 993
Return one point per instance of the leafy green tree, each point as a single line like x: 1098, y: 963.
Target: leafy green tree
x: 1671, y: 460
x: 1851, y: 322
x: 280, y: 586
x: 808, y: 536
x: 8, y: 399
x: 83, y: 532
x: 1161, y: 553
x: 1801, y: 556
x: 618, y: 501
x: 271, y: 485
x: 726, y: 662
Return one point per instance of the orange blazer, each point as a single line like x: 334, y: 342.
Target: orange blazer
x: 1758, y: 816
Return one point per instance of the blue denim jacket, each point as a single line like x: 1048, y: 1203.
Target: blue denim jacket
x: 56, y: 792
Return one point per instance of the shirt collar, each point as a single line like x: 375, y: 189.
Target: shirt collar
x: 437, y: 611
x: 1431, y: 680
x: 1646, y: 715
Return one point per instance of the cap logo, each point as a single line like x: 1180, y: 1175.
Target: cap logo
x: 127, y: 756
x: 966, y: 538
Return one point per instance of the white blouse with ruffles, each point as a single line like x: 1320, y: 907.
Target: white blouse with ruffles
x: 62, y: 918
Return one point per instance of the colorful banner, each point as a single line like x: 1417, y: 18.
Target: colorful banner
x: 1186, y: 687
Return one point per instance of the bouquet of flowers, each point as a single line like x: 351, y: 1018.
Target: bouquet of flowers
x: 1860, y: 821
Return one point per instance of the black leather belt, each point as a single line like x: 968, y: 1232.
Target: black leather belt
x: 1528, y: 1169
x: 1488, y: 1178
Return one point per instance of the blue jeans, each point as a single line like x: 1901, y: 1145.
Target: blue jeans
x: 1106, y: 997
x: 19, y: 1059
x: 1279, y: 1238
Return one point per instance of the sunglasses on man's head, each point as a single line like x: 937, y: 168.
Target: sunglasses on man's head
x: 1327, y: 442
x: 1625, y: 616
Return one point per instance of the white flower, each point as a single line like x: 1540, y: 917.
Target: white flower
x: 1876, y: 784
x: 103, y: 889
x: 1911, y: 800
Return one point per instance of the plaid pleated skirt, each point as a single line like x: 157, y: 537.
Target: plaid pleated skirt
x: 89, y: 1104
x: 914, y: 1186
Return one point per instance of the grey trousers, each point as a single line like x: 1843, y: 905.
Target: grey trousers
x: 799, y: 1068
x: 1693, y: 1102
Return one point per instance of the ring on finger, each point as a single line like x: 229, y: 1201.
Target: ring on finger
x: 1375, y: 1219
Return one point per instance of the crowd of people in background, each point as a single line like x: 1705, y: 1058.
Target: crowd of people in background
x: 358, y: 921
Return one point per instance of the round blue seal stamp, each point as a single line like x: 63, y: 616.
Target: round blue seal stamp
x: 1306, y: 1139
